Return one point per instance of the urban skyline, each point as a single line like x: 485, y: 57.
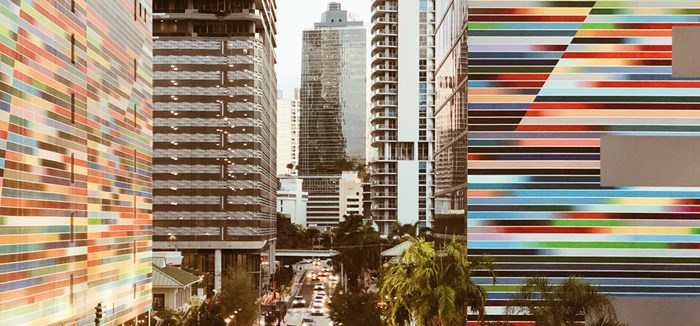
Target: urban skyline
x: 144, y: 151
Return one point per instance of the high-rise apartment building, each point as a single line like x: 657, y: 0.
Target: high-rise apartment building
x: 288, y: 135
x: 582, y: 138
x: 450, y: 118
x: 333, y: 113
x: 402, y: 96
x: 215, y: 123
x: 75, y: 162
x: 333, y: 95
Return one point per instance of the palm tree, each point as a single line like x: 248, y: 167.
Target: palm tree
x: 433, y: 287
x: 563, y: 304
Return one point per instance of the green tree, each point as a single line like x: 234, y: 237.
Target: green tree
x: 399, y: 233
x: 170, y: 317
x: 355, y: 308
x: 563, y: 304
x: 358, y: 246
x: 433, y: 287
x: 238, y: 297
x: 289, y: 235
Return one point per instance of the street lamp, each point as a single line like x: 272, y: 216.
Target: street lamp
x: 172, y: 239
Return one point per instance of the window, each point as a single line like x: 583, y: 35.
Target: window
x: 72, y: 227
x: 72, y: 168
x: 158, y: 301
x: 71, y: 289
x: 72, y: 48
x: 72, y: 107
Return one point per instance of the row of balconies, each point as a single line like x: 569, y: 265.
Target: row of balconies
x: 384, y: 138
x: 175, y: 154
x: 387, y: 7
x: 199, y: 184
x: 384, y: 79
x: 390, y: 102
x: 386, y: 66
x: 206, y: 91
x: 385, y: 20
x: 209, y: 215
x: 204, y: 122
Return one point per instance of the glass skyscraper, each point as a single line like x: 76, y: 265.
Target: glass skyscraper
x: 75, y: 162
x: 450, y: 118
x: 333, y: 112
x: 333, y: 96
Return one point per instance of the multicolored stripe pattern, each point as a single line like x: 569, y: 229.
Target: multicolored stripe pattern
x: 75, y: 161
x: 546, y: 80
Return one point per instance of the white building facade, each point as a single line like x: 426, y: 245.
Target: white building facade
x: 402, y: 105
x: 288, y: 135
x: 292, y: 200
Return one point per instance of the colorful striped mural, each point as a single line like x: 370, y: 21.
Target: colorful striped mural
x: 75, y: 161
x: 546, y: 80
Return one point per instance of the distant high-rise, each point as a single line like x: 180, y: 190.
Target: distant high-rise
x: 288, y: 135
x: 403, y: 60
x: 333, y: 96
x: 215, y: 122
x: 333, y: 113
x: 75, y: 162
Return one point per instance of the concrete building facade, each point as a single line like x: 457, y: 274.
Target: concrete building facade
x: 288, y: 121
x: 75, y: 162
x: 214, y: 197
x: 402, y: 102
x: 292, y: 200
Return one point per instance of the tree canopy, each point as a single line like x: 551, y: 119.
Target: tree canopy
x: 433, y: 287
x: 358, y: 244
x: 355, y: 308
x: 238, y: 297
x: 563, y: 304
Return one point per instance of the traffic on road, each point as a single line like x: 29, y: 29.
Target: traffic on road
x: 309, y: 305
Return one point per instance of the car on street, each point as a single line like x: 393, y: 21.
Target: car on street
x: 307, y: 321
x: 319, y: 287
x: 317, y: 309
x: 298, y: 302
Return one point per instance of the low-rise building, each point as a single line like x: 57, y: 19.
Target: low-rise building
x: 172, y: 287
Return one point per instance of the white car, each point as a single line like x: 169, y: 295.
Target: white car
x: 298, y: 302
x: 317, y: 309
x: 307, y: 321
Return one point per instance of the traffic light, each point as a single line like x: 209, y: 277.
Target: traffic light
x: 99, y: 313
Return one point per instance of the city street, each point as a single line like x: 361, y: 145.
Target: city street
x: 306, y: 290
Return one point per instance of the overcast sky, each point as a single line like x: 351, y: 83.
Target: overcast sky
x: 293, y: 16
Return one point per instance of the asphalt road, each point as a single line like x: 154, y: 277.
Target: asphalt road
x: 306, y: 289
